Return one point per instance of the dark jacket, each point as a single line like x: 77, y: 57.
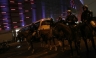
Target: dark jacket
x: 86, y: 16
x: 71, y: 19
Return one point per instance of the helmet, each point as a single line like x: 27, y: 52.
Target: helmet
x: 85, y: 6
x: 69, y: 11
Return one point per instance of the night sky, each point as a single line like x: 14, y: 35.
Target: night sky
x: 92, y: 5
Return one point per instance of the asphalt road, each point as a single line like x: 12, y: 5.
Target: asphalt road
x: 20, y: 50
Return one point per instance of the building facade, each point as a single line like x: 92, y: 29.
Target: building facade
x: 18, y: 13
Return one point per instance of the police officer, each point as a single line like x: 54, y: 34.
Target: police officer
x: 60, y: 19
x: 51, y: 22
x: 70, y: 18
x: 86, y: 14
x: 87, y: 17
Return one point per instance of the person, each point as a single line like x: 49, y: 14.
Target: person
x: 87, y: 18
x: 86, y: 14
x: 51, y: 22
x: 70, y: 18
x: 60, y: 20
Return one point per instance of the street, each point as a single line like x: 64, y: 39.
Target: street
x: 20, y: 50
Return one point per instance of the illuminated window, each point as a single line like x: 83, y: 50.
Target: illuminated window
x: 12, y: 1
x: 3, y: 12
x: 20, y: 7
x: 12, y: 9
x: 19, y: 3
x: 14, y: 22
x: 26, y: 10
x: 21, y: 20
x: 31, y: 0
x: 26, y: 0
x: 15, y: 26
x: 27, y: 17
x: 0, y: 28
x: 5, y: 19
x: 20, y: 13
x: 32, y: 3
x: 5, y: 23
x: 5, y: 26
x: 2, y: 6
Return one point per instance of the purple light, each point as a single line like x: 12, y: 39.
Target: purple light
x: 82, y: 1
x: 2, y: 6
x: 3, y: 1
x: 72, y: 4
x: 34, y: 15
x: 51, y: 15
x: 5, y: 11
x: 22, y: 25
x: 33, y: 11
x: 21, y: 12
x: 43, y: 10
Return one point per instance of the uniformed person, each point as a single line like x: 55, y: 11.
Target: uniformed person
x: 86, y: 14
x: 51, y: 22
x: 70, y: 18
x: 60, y: 19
